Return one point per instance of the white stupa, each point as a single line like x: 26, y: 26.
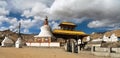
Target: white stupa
x: 7, y: 42
x: 113, y: 38
x: 45, y: 35
x: 45, y: 31
x: 88, y: 38
x: 18, y: 43
x: 106, y: 39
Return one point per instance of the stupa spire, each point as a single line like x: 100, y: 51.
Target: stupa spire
x: 46, y: 21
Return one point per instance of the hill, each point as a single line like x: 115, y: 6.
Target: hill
x: 107, y: 33
x: 14, y: 36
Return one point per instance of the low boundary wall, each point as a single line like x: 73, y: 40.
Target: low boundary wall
x: 52, y: 44
x: 110, y: 52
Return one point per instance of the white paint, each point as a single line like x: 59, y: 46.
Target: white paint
x: 45, y: 32
x: 88, y: 38
x: 105, y: 38
x: 97, y: 45
x: 52, y: 44
x: 96, y: 40
x: 18, y: 43
x: 45, y: 44
x: 113, y: 38
x: 79, y: 41
x: 7, y: 42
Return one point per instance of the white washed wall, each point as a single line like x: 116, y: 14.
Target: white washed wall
x: 55, y: 44
x: 52, y: 44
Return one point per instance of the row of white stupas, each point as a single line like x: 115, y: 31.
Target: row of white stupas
x: 112, y: 38
x: 7, y: 42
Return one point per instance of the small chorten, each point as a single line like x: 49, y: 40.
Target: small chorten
x: 18, y: 43
x: 7, y: 42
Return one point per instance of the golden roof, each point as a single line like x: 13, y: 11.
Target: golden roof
x: 68, y: 32
x: 67, y: 23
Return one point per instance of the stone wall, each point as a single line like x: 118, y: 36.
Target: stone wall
x: 110, y: 52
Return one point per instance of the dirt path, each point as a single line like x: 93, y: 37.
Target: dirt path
x: 40, y: 53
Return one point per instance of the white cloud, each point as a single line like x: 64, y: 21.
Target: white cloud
x: 0, y: 23
x: 26, y: 24
x: 104, y: 12
x: 114, y: 26
x: 8, y: 20
x: 38, y: 9
x: 26, y: 13
x: 104, y: 24
x: 3, y: 11
x: 76, y: 9
x: 95, y: 24
x: 3, y: 28
x: 3, y: 19
x: 38, y: 18
x: 54, y: 25
x: 3, y: 3
x: 26, y: 31
x: 81, y: 8
x: 12, y: 21
x: 22, y: 5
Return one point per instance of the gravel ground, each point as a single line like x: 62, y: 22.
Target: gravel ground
x: 27, y: 52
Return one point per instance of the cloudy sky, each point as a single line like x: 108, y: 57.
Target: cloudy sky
x: 89, y: 15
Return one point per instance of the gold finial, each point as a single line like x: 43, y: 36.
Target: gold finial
x: 46, y: 17
x: 46, y: 21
